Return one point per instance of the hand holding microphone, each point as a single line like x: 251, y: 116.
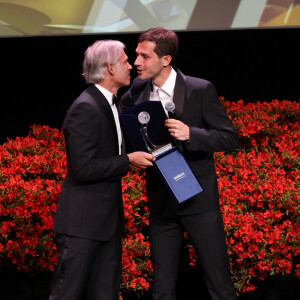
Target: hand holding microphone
x: 177, y: 129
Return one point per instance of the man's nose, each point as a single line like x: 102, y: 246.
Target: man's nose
x: 137, y: 62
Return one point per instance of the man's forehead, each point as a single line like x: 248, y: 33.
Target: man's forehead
x: 145, y: 46
x: 123, y: 55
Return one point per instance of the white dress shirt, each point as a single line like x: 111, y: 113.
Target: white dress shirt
x: 108, y: 95
x: 166, y: 92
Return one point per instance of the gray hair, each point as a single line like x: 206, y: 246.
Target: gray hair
x: 98, y: 56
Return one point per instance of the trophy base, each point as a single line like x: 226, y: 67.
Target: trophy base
x: 161, y: 149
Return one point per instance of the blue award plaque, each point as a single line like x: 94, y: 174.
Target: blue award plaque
x: 177, y: 175
x: 143, y: 126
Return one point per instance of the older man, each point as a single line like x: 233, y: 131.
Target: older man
x: 89, y: 216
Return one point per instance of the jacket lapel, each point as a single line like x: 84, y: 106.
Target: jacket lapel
x: 104, y: 105
x: 179, y: 93
x: 145, y: 95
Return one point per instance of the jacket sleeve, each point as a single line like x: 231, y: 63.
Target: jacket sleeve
x: 216, y: 132
x: 84, y: 138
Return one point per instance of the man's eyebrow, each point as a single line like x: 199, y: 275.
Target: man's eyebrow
x: 141, y: 53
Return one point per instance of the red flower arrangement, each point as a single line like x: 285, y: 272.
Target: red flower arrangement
x: 31, y: 176
x: 32, y: 171
x: 136, y: 264
x: 259, y: 191
x: 259, y: 195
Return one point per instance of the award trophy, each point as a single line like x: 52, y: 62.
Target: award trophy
x: 144, y: 118
x: 145, y: 130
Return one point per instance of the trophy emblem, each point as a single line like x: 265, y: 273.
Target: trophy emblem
x: 144, y: 118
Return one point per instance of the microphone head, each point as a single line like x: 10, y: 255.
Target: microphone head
x: 170, y: 106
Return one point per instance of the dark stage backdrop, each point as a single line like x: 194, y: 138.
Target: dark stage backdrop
x: 41, y: 76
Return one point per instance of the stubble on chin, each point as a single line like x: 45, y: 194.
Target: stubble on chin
x: 143, y: 77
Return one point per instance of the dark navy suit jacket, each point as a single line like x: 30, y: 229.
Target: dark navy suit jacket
x: 197, y: 105
x: 90, y: 204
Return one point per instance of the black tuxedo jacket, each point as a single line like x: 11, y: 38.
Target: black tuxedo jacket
x: 197, y: 105
x: 90, y: 204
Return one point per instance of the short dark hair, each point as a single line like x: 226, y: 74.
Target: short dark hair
x: 166, y: 41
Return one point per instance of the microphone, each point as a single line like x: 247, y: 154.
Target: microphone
x: 170, y: 107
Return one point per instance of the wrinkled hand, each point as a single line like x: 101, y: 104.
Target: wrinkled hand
x: 178, y: 130
x: 141, y: 159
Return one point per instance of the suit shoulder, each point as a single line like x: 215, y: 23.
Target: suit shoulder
x: 139, y: 84
x: 86, y: 98
x: 89, y: 95
x: 137, y: 88
x: 192, y: 81
x: 196, y: 81
x: 200, y: 86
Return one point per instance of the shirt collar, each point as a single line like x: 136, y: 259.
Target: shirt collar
x: 168, y: 86
x: 107, y: 94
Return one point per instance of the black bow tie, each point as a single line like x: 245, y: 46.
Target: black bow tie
x: 115, y: 100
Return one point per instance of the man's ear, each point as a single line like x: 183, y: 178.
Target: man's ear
x: 110, y: 69
x: 166, y: 59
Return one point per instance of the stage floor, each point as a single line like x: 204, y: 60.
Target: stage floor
x: 16, y: 285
